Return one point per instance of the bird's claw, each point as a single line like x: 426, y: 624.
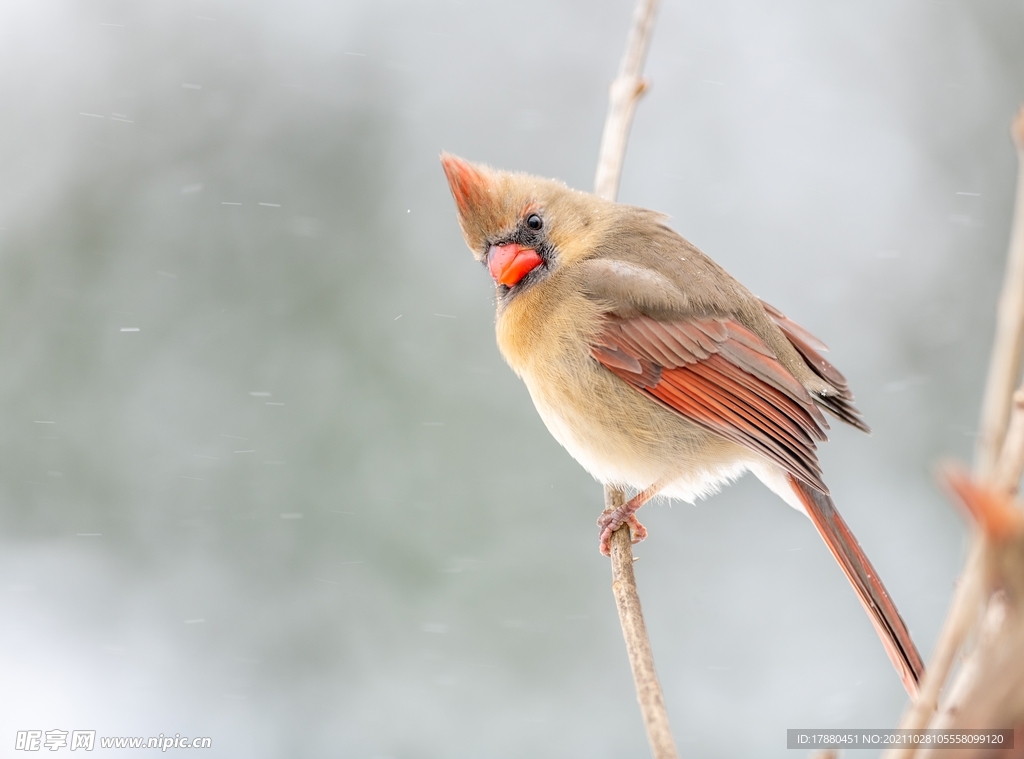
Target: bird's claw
x: 613, y: 519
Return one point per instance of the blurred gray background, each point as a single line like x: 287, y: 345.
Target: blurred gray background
x: 303, y: 508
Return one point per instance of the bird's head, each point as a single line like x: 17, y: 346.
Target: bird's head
x: 523, y: 228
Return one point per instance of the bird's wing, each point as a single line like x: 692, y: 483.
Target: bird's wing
x: 629, y: 288
x: 841, y: 402
x: 720, y: 375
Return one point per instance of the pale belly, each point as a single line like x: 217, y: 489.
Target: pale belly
x: 624, y: 438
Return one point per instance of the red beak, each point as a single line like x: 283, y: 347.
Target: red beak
x: 510, y: 263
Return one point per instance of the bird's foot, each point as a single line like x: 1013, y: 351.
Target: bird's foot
x: 612, y: 519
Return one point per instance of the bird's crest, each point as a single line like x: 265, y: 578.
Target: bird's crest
x: 469, y: 184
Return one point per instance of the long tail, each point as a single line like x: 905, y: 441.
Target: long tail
x: 879, y: 606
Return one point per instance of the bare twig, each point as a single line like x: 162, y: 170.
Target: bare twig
x: 622, y: 100
x: 625, y: 93
x: 999, y: 462
x: 634, y: 631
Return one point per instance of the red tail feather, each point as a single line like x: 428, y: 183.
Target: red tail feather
x: 879, y: 606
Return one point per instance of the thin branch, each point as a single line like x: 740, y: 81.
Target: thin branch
x: 622, y: 101
x: 634, y: 631
x: 1004, y: 366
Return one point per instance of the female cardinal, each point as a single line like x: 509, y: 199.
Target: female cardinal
x: 656, y: 369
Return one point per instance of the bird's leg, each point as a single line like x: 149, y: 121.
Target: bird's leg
x: 612, y: 519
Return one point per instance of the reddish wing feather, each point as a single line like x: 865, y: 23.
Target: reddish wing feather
x: 736, y: 420
x: 841, y: 402
x: 720, y: 375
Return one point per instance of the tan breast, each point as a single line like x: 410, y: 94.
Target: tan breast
x: 547, y: 327
x: 616, y: 433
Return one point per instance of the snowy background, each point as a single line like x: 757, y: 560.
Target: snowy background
x: 303, y: 508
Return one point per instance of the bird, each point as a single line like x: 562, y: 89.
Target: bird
x: 656, y: 369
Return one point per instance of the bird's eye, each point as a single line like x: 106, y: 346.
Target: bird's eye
x: 534, y: 221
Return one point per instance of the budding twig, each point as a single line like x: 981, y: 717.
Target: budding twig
x: 999, y: 462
